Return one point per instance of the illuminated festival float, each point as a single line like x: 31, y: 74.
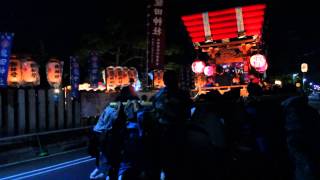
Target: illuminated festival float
x: 232, y: 38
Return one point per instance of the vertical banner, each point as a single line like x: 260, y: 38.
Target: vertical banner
x: 74, y: 77
x: 5, y: 51
x: 94, y: 69
x: 156, y: 34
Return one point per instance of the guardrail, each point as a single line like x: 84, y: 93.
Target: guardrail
x: 35, y: 145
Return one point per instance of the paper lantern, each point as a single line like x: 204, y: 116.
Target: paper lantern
x: 125, y: 76
x: 14, y: 72
x: 133, y: 74
x: 110, y: 78
x: 158, y: 79
x: 263, y: 68
x: 118, y: 76
x: 209, y: 70
x: 198, y: 66
x: 304, y: 67
x: 30, y: 73
x: 258, y: 61
x: 54, y: 73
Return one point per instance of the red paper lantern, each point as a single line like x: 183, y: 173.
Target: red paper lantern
x: 209, y: 70
x: 198, y: 66
x: 262, y: 69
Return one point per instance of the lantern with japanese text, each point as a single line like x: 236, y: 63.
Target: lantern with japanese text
x: 259, y: 62
x: 30, y: 73
x: 110, y: 78
x: 133, y: 74
x: 198, y: 66
x: 125, y: 76
x: 209, y: 70
x: 118, y: 76
x: 14, y: 72
x: 54, y: 73
x: 158, y: 79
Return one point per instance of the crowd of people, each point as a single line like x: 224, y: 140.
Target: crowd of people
x: 216, y: 137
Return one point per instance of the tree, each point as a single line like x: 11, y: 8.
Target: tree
x: 116, y: 43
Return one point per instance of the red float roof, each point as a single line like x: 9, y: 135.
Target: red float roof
x: 224, y: 24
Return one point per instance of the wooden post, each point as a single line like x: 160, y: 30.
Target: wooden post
x: 32, y: 110
x: 42, y: 109
x: 51, y: 110
x: 10, y: 112
x: 69, y: 112
x: 22, y: 112
x: 61, y: 111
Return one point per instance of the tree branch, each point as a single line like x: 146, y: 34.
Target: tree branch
x: 132, y: 58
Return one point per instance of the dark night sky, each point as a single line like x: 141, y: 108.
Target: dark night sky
x: 292, y: 33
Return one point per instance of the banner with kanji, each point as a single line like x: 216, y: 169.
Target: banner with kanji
x: 74, y: 77
x: 5, y: 52
x: 94, y: 69
x: 156, y: 34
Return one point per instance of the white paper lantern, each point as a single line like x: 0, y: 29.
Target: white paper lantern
x: 54, y: 73
x: 14, y: 72
x: 30, y: 73
x: 110, y: 78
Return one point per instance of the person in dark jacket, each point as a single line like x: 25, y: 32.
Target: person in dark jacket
x: 302, y: 124
x: 172, y: 109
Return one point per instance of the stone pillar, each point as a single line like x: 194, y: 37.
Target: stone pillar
x: 32, y: 110
x: 51, y: 110
x: 61, y: 111
x: 10, y: 113
x: 42, y: 110
x: 22, y: 111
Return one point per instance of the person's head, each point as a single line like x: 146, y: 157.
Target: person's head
x: 144, y: 97
x: 131, y: 81
x: 117, y: 89
x: 170, y: 79
x: 219, y: 69
x: 125, y: 95
x: 254, y: 89
x: 210, y: 79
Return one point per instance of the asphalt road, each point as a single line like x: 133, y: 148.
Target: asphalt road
x: 72, y: 165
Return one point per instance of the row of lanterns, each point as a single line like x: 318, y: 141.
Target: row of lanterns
x: 120, y: 76
x: 26, y: 72
x: 23, y: 73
